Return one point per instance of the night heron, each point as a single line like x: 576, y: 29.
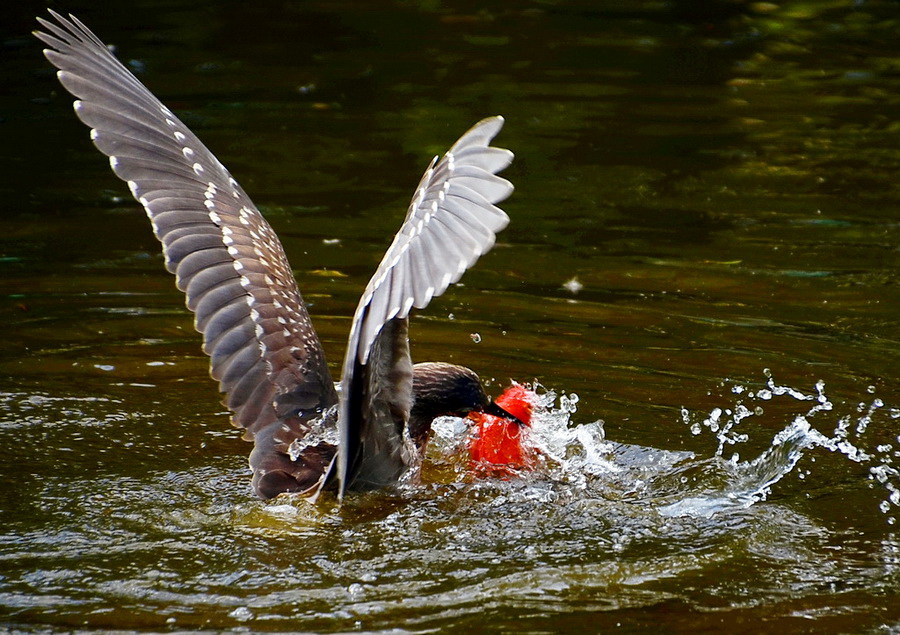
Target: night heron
x: 264, y: 351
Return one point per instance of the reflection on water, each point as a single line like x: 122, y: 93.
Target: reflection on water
x: 704, y: 191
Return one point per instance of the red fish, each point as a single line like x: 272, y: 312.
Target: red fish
x: 498, y: 445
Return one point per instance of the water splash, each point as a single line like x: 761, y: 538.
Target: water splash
x: 585, y: 464
x: 748, y: 482
x: 751, y: 481
x: 574, y: 454
x: 570, y: 454
x: 322, y: 430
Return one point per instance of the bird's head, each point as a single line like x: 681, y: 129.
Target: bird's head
x: 441, y: 389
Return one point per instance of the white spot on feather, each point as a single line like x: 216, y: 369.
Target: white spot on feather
x: 179, y: 137
x: 187, y: 152
x: 198, y: 169
x: 143, y: 201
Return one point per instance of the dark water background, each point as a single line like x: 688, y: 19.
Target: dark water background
x: 719, y: 177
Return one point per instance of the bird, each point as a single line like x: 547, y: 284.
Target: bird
x: 310, y: 435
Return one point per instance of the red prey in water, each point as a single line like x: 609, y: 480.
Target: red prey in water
x: 498, y: 445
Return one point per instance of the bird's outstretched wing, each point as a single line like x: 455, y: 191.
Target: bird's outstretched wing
x: 228, y: 261
x: 452, y: 220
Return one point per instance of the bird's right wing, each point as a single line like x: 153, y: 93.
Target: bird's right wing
x: 227, y: 259
x: 452, y: 220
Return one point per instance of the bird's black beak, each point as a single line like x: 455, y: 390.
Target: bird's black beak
x: 497, y: 411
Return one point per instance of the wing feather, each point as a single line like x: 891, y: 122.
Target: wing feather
x: 228, y: 261
x: 451, y: 221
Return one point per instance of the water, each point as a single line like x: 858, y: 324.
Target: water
x: 601, y: 526
x: 700, y: 275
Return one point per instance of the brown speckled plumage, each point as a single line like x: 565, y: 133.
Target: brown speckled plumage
x: 227, y: 259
